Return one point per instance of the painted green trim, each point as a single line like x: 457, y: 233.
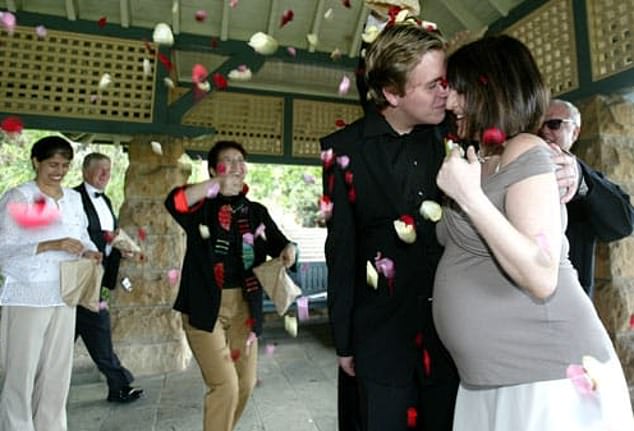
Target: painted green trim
x: 287, y: 128
x: 45, y: 122
x: 275, y: 160
x: 617, y: 83
x: 582, y: 41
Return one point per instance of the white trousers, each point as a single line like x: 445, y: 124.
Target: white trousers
x: 36, y: 350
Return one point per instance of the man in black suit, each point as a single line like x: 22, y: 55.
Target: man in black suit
x: 377, y: 172
x: 94, y: 328
x: 599, y: 210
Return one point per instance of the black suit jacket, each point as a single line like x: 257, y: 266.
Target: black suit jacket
x: 383, y: 328
x: 603, y: 214
x: 111, y: 262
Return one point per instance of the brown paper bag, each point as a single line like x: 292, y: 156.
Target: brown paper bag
x: 277, y: 284
x: 80, y: 282
x: 124, y: 242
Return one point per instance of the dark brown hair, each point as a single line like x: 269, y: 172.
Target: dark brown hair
x: 47, y: 147
x: 393, y: 55
x: 501, y: 85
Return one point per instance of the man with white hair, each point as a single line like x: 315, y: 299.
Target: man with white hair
x: 598, y: 210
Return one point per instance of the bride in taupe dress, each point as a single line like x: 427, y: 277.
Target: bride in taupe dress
x: 507, y: 301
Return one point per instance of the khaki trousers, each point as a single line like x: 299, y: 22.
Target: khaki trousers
x: 227, y: 365
x: 36, y: 350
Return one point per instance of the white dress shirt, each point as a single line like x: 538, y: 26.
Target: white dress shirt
x: 103, y: 212
x: 33, y: 279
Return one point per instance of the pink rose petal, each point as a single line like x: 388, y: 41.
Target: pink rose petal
x: 34, y: 215
x: 302, y: 308
x: 213, y: 190
x: 343, y: 161
x: 260, y: 231
x: 291, y: 51
x: 7, y: 21
x: 173, y: 276
x: 269, y: 349
x: 247, y: 238
x: 344, y: 85
x: 578, y: 376
x: 40, y: 31
x: 308, y: 178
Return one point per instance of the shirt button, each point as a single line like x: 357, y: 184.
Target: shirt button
x: 419, y: 193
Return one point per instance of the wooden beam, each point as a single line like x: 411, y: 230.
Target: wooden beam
x: 224, y: 24
x: 14, y: 5
x: 273, y: 18
x: 176, y: 16
x: 316, y: 27
x: 358, y: 30
x: 71, y: 10
x: 462, y: 14
x: 501, y: 6
x: 124, y: 7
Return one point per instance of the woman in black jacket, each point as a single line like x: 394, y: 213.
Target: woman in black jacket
x: 219, y: 297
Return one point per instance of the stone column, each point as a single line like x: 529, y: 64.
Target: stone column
x: 607, y: 144
x: 147, y: 333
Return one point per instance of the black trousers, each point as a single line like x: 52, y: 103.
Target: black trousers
x: 94, y: 329
x: 364, y: 405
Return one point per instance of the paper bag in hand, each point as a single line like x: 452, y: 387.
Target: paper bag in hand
x: 80, y: 282
x: 123, y: 242
x: 277, y: 284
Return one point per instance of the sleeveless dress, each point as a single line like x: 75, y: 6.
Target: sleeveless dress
x: 511, y: 349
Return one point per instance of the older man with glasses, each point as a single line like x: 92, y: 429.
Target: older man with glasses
x: 598, y: 210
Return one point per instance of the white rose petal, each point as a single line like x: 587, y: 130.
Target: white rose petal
x: 240, y: 74
x: 263, y: 44
x: 290, y: 324
x: 156, y: 148
x: 105, y: 81
x: 430, y: 210
x: 312, y: 39
x: 405, y: 232
x: 204, y: 231
x: 370, y: 34
x: 163, y: 34
x: 372, y: 277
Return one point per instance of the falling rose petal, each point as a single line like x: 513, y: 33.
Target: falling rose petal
x: 302, y: 308
x: 213, y: 190
x: 156, y: 148
x: 384, y: 266
x: 290, y: 324
x: 348, y: 177
x: 214, y: 42
x: 346, y: 3
x: 263, y: 44
x: 108, y: 236
x: 343, y: 161
x: 201, y: 15
x: 141, y: 234
x: 204, y: 231
x: 12, y: 125
x: 40, y: 31
x: 287, y: 16
x: 221, y: 168
x: 269, y: 349
x: 291, y: 51
x: 325, y: 208
x: 162, y: 34
x: 430, y: 210
x: 426, y: 362
x: 172, y: 276
x: 101, y: 22
x: 339, y: 123
x: 407, y: 219
x: 35, y: 215
x: 444, y: 83
x: 312, y: 40
x: 412, y: 417
x: 577, y: 375
x: 335, y: 54
x: 165, y: 61
x: 308, y: 178
x: 429, y: 26
x: 233, y: 3
x: 94, y: 98
x: 632, y: 321
x: 169, y: 83
x: 406, y: 232
x: 220, y: 82
x: 103, y: 305
x: 352, y: 195
x: 418, y: 339
x: 493, y: 136
x: 250, y: 323
x: 595, y: 370
x: 371, y: 276
x: 370, y: 34
x: 328, y: 14
x: 199, y: 73
x: 147, y: 67
x: 248, y: 238
x: 260, y: 231
x: 8, y: 22
x: 235, y: 355
x: 105, y: 81
x: 242, y: 73
x: 204, y: 86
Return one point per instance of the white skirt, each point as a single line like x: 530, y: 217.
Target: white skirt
x: 554, y: 405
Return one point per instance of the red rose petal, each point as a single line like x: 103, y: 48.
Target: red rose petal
x: 412, y: 416
x: 493, y: 136
x: 235, y: 355
x: 12, y: 124
x: 287, y: 16
x: 101, y: 22
x: 220, y: 82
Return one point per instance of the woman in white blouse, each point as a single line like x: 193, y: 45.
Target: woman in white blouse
x: 37, y: 328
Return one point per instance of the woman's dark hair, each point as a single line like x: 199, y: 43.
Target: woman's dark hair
x: 220, y: 146
x: 501, y: 85
x: 48, y: 146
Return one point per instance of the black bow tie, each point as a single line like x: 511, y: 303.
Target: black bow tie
x: 99, y: 194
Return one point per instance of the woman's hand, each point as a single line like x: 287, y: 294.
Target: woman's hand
x: 289, y: 255
x: 69, y: 245
x: 459, y: 178
x: 95, y: 255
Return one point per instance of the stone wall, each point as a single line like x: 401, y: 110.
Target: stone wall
x: 147, y: 333
x: 607, y: 144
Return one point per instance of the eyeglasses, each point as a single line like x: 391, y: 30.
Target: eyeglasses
x: 555, y: 123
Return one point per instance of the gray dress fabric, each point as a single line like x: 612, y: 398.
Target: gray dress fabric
x: 497, y: 333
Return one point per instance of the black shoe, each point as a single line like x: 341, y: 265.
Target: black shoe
x: 125, y: 395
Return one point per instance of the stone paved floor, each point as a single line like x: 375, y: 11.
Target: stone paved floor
x: 296, y: 391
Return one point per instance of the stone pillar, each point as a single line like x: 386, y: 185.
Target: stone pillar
x: 147, y: 333
x: 607, y: 144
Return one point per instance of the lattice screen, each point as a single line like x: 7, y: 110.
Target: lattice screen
x: 59, y: 75
x: 611, y: 26
x: 549, y: 32
x: 254, y: 121
x: 313, y: 120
